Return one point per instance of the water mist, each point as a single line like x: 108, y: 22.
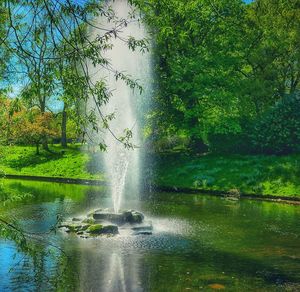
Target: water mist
x: 123, y: 165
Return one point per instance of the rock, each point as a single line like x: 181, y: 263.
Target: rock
x: 133, y: 217
x: 90, y: 214
x: 104, y: 222
x: 143, y: 227
x: 89, y: 221
x: 216, y: 286
x: 110, y: 229
x: 84, y: 227
x: 142, y: 233
x: 229, y: 198
x: 234, y: 193
x: 75, y: 227
x: 100, y: 229
x: 95, y: 229
x: 110, y: 217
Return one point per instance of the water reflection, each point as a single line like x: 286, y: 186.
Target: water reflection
x: 198, y: 242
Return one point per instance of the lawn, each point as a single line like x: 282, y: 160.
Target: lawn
x: 263, y: 175
x: 69, y: 163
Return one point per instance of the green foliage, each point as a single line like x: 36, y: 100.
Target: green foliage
x: 54, y: 50
x: 219, y: 64
x: 232, y: 143
x: 195, y: 61
x: 278, y: 131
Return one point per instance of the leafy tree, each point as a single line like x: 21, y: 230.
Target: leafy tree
x: 46, y: 35
x: 278, y: 132
x: 22, y: 125
x: 270, y: 52
x: 8, y: 109
x: 195, y: 47
x: 34, y: 127
x: 221, y: 65
x: 43, y: 38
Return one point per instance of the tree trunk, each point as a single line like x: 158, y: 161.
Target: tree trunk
x: 37, y: 148
x: 43, y: 110
x: 45, y: 143
x: 64, y: 128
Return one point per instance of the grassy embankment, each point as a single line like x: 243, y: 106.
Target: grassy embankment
x: 68, y: 163
x: 263, y: 175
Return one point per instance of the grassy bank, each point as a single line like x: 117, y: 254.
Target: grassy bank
x: 70, y: 163
x: 263, y: 175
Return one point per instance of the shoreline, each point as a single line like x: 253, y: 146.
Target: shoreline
x: 224, y: 194
x: 269, y: 198
x: 78, y: 181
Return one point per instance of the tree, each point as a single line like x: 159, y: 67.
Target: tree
x: 44, y: 35
x: 22, y: 125
x: 270, y: 43
x: 8, y: 110
x: 195, y: 47
x: 33, y: 126
x: 64, y: 143
x: 220, y: 64
x: 278, y: 132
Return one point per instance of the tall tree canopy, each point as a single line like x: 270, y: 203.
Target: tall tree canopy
x: 221, y: 63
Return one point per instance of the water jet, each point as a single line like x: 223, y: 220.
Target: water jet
x: 122, y: 165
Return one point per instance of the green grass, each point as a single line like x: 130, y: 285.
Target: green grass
x: 263, y: 175
x: 68, y: 163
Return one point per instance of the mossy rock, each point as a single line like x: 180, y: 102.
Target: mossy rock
x: 100, y: 229
x: 89, y: 221
x: 75, y: 227
x: 110, y: 229
x: 95, y: 229
x: 133, y: 217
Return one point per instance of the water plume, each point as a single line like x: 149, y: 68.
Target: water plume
x: 122, y: 165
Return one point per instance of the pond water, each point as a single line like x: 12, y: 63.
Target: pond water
x: 199, y: 243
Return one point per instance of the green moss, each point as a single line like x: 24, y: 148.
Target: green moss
x: 73, y: 227
x: 89, y: 221
x: 95, y: 228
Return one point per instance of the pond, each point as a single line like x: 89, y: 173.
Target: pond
x: 199, y: 242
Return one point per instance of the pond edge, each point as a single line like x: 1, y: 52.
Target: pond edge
x: 271, y: 198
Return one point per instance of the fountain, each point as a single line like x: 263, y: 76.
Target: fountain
x: 122, y: 165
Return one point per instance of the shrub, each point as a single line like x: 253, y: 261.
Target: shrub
x: 230, y: 143
x: 278, y: 131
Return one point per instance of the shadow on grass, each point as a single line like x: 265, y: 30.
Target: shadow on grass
x: 249, y: 174
x: 29, y: 158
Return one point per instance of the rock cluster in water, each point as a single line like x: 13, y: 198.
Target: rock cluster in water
x: 103, y: 222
